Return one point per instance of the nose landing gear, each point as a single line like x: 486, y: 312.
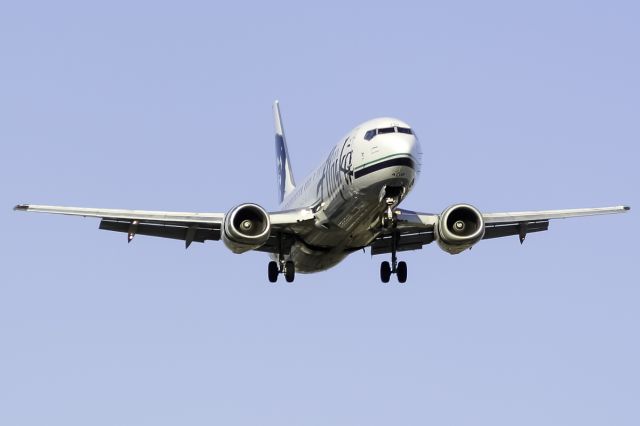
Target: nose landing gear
x: 389, y: 216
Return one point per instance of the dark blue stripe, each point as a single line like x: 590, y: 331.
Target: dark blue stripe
x: 401, y: 161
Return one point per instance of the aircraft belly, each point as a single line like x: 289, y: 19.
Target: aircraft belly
x: 309, y: 260
x: 348, y: 220
x: 345, y: 218
x: 347, y: 229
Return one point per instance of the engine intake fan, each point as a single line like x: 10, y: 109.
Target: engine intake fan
x: 246, y: 227
x: 459, y: 228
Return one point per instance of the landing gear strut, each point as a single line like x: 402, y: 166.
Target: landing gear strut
x: 398, y: 268
x: 389, y: 221
x: 389, y: 216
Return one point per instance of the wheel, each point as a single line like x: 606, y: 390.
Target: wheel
x: 273, y: 272
x: 401, y: 272
x: 385, y: 271
x: 289, y: 271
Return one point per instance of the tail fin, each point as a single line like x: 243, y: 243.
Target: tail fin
x: 283, y: 165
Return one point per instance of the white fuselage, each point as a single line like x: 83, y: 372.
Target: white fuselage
x: 348, y: 191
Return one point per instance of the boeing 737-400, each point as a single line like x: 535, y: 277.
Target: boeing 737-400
x: 350, y: 202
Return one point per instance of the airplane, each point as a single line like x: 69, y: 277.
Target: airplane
x: 349, y: 203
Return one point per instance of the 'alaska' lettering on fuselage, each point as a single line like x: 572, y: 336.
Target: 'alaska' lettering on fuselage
x: 338, y: 167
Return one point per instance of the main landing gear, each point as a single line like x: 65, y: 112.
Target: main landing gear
x: 398, y: 268
x: 282, y: 266
x: 287, y: 268
x: 389, y: 221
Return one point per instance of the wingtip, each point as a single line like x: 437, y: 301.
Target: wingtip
x: 21, y: 207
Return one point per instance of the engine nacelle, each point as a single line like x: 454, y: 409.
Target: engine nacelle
x: 246, y: 227
x: 459, y: 227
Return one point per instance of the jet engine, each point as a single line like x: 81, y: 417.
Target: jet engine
x: 459, y: 227
x: 246, y: 227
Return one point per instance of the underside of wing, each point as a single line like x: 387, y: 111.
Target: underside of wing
x: 450, y: 228
x: 189, y: 227
x: 285, y: 226
x: 412, y: 231
x: 403, y: 242
x: 497, y: 230
x: 188, y: 232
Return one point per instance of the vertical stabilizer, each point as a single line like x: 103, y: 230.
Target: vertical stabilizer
x: 283, y: 165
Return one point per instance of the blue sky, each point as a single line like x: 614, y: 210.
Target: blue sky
x: 158, y: 105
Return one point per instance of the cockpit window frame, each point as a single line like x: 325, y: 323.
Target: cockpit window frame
x: 370, y: 134
x: 387, y: 130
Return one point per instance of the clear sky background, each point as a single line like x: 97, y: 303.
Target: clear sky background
x: 156, y: 105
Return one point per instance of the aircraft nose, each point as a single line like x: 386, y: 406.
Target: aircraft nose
x: 405, y: 144
x: 409, y: 143
x: 400, y: 150
x: 410, y: 147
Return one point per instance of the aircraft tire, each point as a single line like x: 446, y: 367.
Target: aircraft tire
x: 289, y: 271
x: 385, y: 271
x: 402, y: 272
x: 273, y: 272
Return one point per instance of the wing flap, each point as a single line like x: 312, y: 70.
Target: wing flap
x: 405, y: 242
x: 199, y: 232
x: 185, y: 226
x: 518, y: 228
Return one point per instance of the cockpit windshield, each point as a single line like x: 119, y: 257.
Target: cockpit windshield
x: 395, y: 129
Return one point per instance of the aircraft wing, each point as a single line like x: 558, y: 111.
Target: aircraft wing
x: 416, y: 229
x: 520, y: 223
x: 186, y: 226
